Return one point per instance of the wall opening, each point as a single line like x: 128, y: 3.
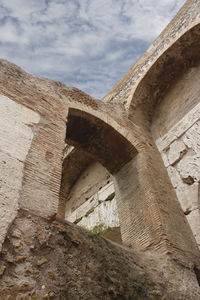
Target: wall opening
x: 87, y: 187
x: 91, y: 202
x: 96, y: 137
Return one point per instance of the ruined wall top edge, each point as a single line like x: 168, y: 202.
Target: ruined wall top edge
x: 187, y: 18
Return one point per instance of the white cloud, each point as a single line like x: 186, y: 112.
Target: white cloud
x: 84, y: 43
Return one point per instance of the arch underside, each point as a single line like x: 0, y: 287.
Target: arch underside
x: 99, y: 139
x: 170, y: 66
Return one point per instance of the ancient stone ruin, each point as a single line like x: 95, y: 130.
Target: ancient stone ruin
x: 125, y: 169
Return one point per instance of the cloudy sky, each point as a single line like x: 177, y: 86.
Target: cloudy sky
x: 88, y: 44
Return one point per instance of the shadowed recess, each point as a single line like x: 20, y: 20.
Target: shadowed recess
x: 99, y: 139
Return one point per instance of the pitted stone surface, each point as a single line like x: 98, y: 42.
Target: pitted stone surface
x: 176, y: 151
x: 194, y: 221
x: 17, y: 125
x: 99, y: 209
x: 188, y: 197
x: 58, y: 260
x: 180, y: 151
x: 192, y: 137
x: 174, y: 176
x: 189, y: 168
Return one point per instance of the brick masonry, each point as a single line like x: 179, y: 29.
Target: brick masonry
x: 119, y: 132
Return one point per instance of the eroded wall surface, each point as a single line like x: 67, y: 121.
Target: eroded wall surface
x: 16, y: 123
x: 43, y: 166
x: 100, y: 208
x: 176, y: 130
x: 63, y: 262
x: 92, y: 201
x: 93, y: 178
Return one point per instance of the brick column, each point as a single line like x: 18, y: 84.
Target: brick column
x: 150, y: 215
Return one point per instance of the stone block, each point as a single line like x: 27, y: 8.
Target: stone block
x: 16, y: 121
x: 174, y: 176
x: 87, y: 207
x: 188, y: 196
x: 105, y: 213
x: 106, y: 192
x: 165, y: 159
x: 91, y: 212
x: 189, y: 167
x: 15, y: 141
x: 179, y: 128
x: 71, y: 217
x: 192, y: 138
x: 194, y: 221
x: 176, y: 151
x: 84, y: 209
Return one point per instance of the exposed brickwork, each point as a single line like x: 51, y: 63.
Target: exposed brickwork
x: 43, y: 166
x: 150, y: 215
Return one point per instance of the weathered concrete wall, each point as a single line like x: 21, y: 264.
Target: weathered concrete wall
x: 176, y: 130
x: 17, y: 125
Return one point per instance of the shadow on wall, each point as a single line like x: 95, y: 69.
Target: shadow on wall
x: 87, y: 190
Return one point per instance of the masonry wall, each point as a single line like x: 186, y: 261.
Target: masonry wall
x: 17, y: 125
x: 90, y: 181
x: 176, y: 130
x: 37, y: 169
x: 33, y: 114
x: 92, y: 201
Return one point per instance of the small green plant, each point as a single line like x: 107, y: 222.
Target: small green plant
x: 97, y: 230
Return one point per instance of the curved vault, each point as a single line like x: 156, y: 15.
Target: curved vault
x: 98, y: 138
x: 181, y: 56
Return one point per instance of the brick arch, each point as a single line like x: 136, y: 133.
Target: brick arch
x: 147, y: 206
x: 177, y: 59
x: 96, y: 134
